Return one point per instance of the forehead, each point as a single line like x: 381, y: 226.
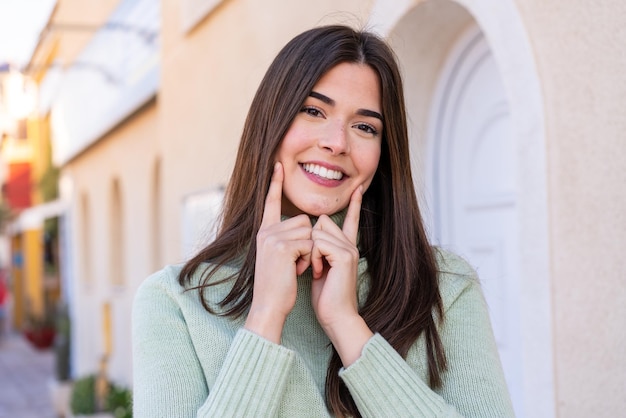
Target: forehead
x: 351, y: 82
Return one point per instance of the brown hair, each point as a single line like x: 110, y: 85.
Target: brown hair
x: 403, y: 301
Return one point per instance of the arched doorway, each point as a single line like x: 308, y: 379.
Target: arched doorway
x: 431, y: 38
x: 474, y: 187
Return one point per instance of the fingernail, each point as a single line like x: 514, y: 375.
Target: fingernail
x: 276, y: 165
x: 361, y: 189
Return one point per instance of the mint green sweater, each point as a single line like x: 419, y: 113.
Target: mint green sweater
x: 190, y: 363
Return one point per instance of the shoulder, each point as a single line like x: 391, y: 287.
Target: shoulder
x: 456, y: 277
x: 159, y: 285
x: 164, y: 285
x: 166, y: 278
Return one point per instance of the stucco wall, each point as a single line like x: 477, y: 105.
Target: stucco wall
x: 579, y: 50
x: 126, y: 154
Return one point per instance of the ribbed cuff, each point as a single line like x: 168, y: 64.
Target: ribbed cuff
x: 383, y: 384
x: 252, y: 380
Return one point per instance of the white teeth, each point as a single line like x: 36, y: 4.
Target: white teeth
x: 323, y: 171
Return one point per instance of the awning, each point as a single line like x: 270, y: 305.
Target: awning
x: 33, y: 217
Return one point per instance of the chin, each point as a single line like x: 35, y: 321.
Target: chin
x: 318, y: 211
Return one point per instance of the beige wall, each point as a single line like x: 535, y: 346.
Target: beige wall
x: 127, y: 154
x: 579, y: 49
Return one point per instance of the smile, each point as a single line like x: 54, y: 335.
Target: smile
x: 322, y: 172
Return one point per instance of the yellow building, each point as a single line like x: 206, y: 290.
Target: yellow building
x: 28, y: 181
x: 516, y: 140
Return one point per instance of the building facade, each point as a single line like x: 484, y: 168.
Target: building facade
x: 516, y: 144
x: 28, y: 242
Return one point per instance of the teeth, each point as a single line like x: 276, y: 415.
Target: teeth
x: 323, y: 171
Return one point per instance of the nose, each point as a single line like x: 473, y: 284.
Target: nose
x: 335, y: 139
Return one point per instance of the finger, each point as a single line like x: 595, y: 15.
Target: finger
x: 301, y: 220
x: 329, y: 241
x: 303, y: 263
x: 334, y: 236
x: 324, y: 223
x: 302, y: 250
x: 317, y: 262
x: 271, y: 212
x: 291, y: 251
x: 272, y: 236
x: 351, y: 223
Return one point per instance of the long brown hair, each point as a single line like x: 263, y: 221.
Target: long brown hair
x: 403, y: 300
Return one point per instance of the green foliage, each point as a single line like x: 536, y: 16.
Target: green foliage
x: 118, y: 401
x: 62, y: 344
x: 51, y: 246
x: 5, y: 215
x: 83, y: 399
x: 49, y: 184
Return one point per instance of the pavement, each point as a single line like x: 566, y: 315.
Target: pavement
x: 25, y: 375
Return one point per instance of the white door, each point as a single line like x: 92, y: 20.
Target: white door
x: 473, y: 187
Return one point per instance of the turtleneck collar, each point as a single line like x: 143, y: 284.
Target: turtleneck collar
x: 337, y: 218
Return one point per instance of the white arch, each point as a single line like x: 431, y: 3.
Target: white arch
x: 503, y: 27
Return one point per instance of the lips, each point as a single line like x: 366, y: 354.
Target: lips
x: 323, y: 172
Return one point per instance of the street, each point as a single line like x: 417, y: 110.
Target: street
x: 24, y: 377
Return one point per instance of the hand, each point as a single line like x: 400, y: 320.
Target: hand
x: 283, y: 251
x: 334, y: 260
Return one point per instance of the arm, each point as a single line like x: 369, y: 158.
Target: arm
x: 167, y: 377
x: 382, y: 383
x: 252, y: 380
x: 169, y: 380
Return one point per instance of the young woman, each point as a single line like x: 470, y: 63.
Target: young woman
x: 321, y: 295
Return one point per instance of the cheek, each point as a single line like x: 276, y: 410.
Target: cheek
x: 290, y: 145
x: 368, y: 163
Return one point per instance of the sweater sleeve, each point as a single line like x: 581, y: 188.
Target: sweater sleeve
x: 383, y: 384
x: 168, y: 380
x: 255, y: 370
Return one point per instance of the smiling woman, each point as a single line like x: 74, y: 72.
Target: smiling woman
x: 320, y: 294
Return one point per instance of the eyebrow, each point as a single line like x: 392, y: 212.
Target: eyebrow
x: 331, y: 102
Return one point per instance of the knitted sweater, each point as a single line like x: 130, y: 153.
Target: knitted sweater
x: 190, y: 363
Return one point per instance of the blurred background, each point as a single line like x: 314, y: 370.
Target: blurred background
x: 120, y: 121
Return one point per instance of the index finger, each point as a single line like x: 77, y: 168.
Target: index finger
x: 351, y: 223
x: 273, y: 200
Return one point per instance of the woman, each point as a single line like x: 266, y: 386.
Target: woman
x: 320, y: 295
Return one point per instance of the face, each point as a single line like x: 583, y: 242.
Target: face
x: 333, y: 144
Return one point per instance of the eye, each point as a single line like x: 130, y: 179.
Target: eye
x: 312, y: 111
x: 367, y: 128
